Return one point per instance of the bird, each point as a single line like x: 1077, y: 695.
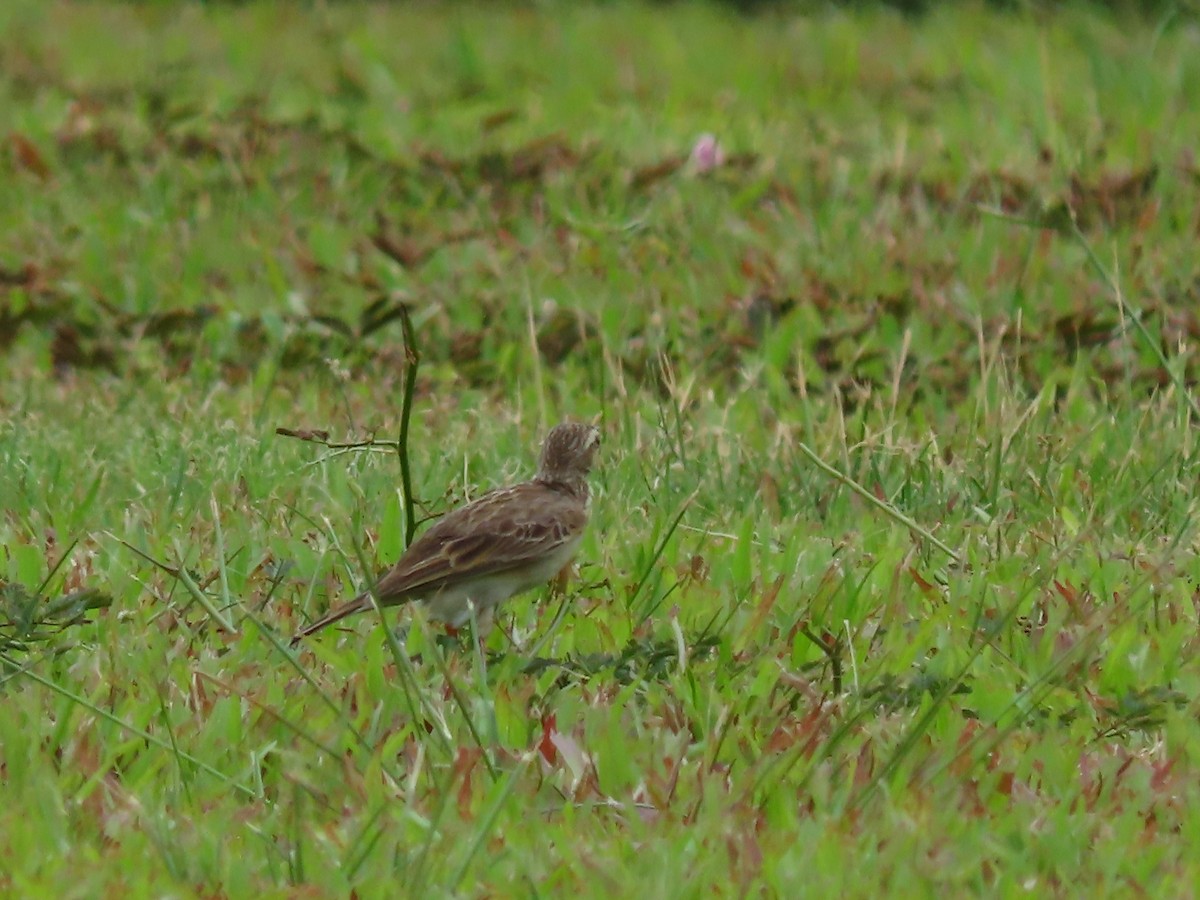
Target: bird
x: 509, y: 541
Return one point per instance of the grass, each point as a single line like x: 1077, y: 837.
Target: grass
x: 891, y: 584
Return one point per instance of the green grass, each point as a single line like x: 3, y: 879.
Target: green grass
x: 952, y: 257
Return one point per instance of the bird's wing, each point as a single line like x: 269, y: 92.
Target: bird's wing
x: 503, y: 530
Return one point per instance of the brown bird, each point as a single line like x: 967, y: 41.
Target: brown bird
x: 505, y: 543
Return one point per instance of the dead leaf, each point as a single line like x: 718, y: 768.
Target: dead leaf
x: 648, y: 175
x: 27, y: 156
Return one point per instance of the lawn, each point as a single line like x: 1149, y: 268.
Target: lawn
x: 890, y: 587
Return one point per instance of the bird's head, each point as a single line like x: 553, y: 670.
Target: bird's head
x: 567, y: 452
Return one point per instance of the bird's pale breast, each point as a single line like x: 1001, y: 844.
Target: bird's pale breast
x: 487, y: 591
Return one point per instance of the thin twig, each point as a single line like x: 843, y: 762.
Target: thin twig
x: 122, y: 724
x: 887, y: 508
x: 322, y: 438
x: 832, y: 653
x: 404, y: 665
x: 179, y: 573
x: 1125, y: 309
x: 654, y: 558
x: 412, y: 359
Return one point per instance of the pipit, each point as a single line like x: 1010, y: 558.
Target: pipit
x: 505, y: 543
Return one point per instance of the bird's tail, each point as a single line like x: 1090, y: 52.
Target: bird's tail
x: 349, y: 608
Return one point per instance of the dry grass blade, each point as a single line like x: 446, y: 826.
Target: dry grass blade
x: 891, y: 511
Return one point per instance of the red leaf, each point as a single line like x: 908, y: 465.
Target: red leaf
x: 926, y: 588
x: 27, y: 155
x: 546, y: 744
x: 464, y: 764
x: 1067, y: 592
x: 1160, y: 779
x: 1005, y: 785
x: 864, y: 766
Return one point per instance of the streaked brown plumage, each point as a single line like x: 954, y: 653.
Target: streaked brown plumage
x: 508, y: 541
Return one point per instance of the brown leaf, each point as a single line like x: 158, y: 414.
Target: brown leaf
x: 24, y: 277
x: 540, y: 156
x: 405, y: 251
x: 1148, y: 217
x: 1160, y: 778
x: 763, y: 609
x: 648, y: 175
x: 864, y: 766
x: 27, y: 156
x: 70, y: 350
x: 497, y: 119
x: 1113, y: 196
x: 465, y: 762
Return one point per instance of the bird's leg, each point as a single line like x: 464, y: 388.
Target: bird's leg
x: 485, y: 619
